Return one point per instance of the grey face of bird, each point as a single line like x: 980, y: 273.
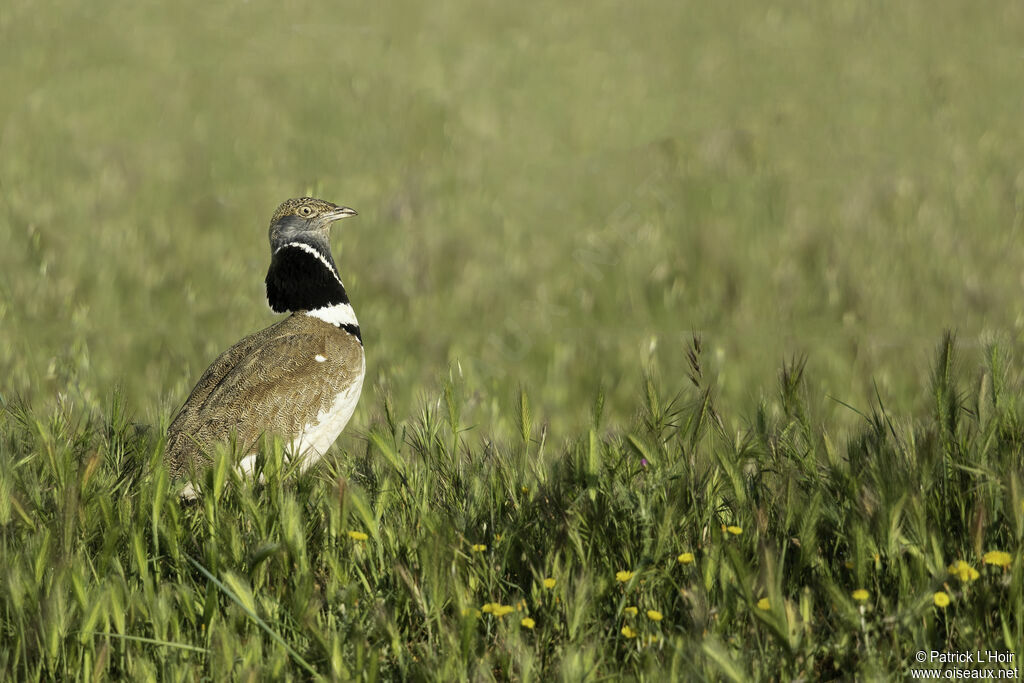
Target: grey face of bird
x: 305, y: 220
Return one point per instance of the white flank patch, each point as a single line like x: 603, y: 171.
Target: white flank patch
x: 310, y: 250
x: 319, y: 359
x: 247, y: 465
x: 337, y: 315
x: 317, y: 436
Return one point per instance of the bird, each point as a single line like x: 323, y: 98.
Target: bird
x: 299, y: 378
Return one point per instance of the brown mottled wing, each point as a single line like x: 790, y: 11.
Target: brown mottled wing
x: 215, y: 374
x: 269, y: 382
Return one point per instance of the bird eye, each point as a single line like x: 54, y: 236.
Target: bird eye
x: 305, y: 211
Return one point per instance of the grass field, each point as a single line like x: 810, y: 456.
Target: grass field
x: 553, y: 203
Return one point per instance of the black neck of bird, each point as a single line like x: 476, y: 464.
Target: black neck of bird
x: 303, y: 277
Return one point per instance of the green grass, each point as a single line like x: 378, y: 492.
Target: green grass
x: 552, y: 202
x: 380, y: 565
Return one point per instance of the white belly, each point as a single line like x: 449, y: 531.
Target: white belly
x: 317, y: 436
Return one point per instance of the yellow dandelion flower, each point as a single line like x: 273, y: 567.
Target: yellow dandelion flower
x: 497, y: 538
x: 764, y: 604
x: 478, y: 547
x: 357, y: 535
x: 521, y: 605
x: 623, y: 576
x: 500, y: 610
x: 734, y: 530
x: 998, y: 558
x: 632, y: 611
x: 941, y: 599
x: 860, y: 595
x: 685, y: 558
x: 963, y: 571
x: 488, y: 608
x: 549, y: 583
x: 654, y: 615
x: 628, y: 632
x: 527, y: 622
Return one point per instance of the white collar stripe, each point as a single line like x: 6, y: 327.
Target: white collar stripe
x: 310, y: 250
x: 337, y: 315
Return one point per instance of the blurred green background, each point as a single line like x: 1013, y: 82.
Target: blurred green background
x: 550, y: 196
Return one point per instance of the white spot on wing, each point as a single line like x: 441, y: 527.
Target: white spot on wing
x: 319, y: 358
x: 337, y: 315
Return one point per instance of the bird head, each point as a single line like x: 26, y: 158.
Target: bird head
x: 304, y: 219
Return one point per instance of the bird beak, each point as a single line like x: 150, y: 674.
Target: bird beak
x: 339, y: 213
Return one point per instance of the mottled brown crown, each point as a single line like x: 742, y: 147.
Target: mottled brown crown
x: 307, y: 208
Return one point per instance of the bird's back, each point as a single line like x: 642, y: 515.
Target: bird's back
x: 299, y: 379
